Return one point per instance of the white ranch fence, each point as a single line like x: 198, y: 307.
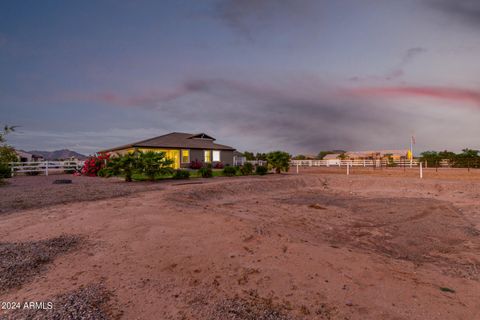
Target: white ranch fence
x: 354, y: 163
x: 240, y: 161
x: 45, y: 167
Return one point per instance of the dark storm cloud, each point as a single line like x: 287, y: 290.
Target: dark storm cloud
x: 307, y: 117
x: 301, y: 115
x: 467, y: 11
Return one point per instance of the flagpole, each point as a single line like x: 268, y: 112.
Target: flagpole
x: 411, y: 151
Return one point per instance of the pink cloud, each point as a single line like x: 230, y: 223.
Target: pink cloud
x: 444, y: 93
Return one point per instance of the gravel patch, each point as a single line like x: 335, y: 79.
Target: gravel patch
x: 253, y: 308
x: 86, y: 303
x: 22, y: 261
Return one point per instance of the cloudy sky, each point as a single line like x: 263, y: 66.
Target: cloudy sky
x: 296, y: 75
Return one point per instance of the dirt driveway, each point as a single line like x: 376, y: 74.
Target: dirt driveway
x: 312, y: 246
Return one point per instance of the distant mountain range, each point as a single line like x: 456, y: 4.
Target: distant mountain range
x: 59, y: 154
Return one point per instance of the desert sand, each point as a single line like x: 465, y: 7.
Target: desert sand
x: 317, y: 245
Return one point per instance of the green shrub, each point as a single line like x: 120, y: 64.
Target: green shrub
x: 181, y: 174
x: 7, y: 154
x: 246, y: 169
x: 70, y: 170
x: 5, y: 171
x: 125, y: 165
x: 206, y: 172
x: 261, y: 170
x: 105, y: 172
x: 150, y: 164
x: 229, y: 171
x: 279, y: 161
x: 153, y: 163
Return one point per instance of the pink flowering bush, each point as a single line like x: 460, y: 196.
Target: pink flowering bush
x: 93, y: 164
x: 195, y: 164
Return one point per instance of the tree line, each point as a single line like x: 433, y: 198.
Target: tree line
x: 468, y: 158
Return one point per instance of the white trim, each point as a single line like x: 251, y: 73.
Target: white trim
x: 213, y: 155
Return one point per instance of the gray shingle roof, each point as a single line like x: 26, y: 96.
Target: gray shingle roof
x: 178, y: 140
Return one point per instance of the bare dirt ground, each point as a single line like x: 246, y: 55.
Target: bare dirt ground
x: 25, y: 192
x: 318, y: 245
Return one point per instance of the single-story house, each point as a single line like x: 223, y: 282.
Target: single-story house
x: 331, y: 156
x: 377, y: 154
x: 370, y: 154
x: 238, y: 158
x: 182, y: 148
x: 24, y: 156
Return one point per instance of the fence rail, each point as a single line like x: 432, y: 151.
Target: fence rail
x: 241, y: 162
x: 44, y: 166
x: 355, y: 163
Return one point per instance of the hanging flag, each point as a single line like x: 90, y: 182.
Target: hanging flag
x: 413, y: 139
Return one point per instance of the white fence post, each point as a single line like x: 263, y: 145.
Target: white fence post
x: 421, y: 170
x: 348, y: 169
x: 43, y: 166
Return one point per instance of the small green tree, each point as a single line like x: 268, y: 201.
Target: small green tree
x: 261, y: 156
x: 431, y: 157
x: 448, y: 155
x: 229, y: 171
x: 299, y: 157
x: 468, y: 158
x: 342, y: 156
x: 249, y: 156
x: 7, y: 153
x: 246, y: 169
x: 261, y: 170
x: 6, y: 130
x: 124, y: 164
x: 469, y: 154
x: 279, y: 161
x: 153, y: 163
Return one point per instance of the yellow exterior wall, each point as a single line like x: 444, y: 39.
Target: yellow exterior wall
x: 173, y: 154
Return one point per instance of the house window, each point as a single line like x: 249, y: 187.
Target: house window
x: 185, y: 156
x: 216, y: 156
x: 207, y: 156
